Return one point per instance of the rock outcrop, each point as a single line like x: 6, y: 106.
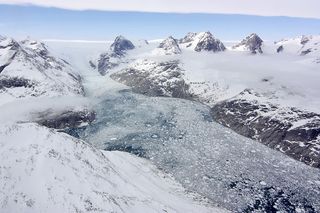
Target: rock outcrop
x: 121, y: 45
x: 207, y: 42
x: 294, y: 132
x: 252, y: 43
x: 114, y: 57
x: 155, y: 78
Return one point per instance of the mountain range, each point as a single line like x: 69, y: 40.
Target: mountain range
x: 63, y: 114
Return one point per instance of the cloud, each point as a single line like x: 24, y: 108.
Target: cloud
x: 292, y: 8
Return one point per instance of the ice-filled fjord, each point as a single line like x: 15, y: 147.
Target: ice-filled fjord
x: 180, y: 137
x: 185, y: 160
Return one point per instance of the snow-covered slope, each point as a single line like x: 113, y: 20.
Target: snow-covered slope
x: 168, y: 46
x: 252, y: 43
x: 46, y: 171
x: 302, y: 45
x: 203, y: 41
x: 308, y: 46
x: 28, y: 69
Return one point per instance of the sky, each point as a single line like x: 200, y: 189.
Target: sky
x: 292, y: 8
x: 84, y: 22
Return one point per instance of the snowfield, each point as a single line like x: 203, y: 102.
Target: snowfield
x: 46, y: 171
x: 27, y: 70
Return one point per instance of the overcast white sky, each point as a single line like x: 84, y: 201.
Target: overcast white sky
x: 292, y: 8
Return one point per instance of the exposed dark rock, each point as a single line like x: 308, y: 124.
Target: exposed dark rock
x: 135, y: 150
x: 208, y: 43
x: 6, y: 82
x: 253, y: 43
x: 92, y: 65
x: 8, y: 43
x: 146, y: 42
x: 107, y: 61
x: 120, y: 45
x: 275, y: 127
x: 2, y: 67
x: 280, y: 49
x: 161, y: 79
x: 305, y: 52
x: 304, y: 40
x: 67, y: 120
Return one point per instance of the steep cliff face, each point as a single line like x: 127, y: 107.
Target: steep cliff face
x: 252, y: 43
x: 293, y: 132
x: 121, y: 45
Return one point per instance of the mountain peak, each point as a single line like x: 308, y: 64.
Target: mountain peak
x: 170, y: 46
x: 121, y: 44
x: 253, y: 43
x: 208, y: 42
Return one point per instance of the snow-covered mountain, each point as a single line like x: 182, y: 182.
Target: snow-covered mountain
x: 155, y: 78
x: 272, y: 98
x: 121, y: 45
x: 114, y: 57
x: 188, y: 38
x: 203, y: 41
x: 28, y: 69
x: 168, y: 46
x: 217, y: 79
x: 46, y: 171
x: 303, y: 46
x: 290, y: 130
x: 252, y: 43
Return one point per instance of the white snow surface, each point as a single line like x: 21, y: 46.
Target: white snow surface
x: 46, y: 171
x: 31, y: 62
x: 296, y: 46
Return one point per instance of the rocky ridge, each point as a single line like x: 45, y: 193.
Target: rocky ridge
x: 252, y: 43
x: 28, y: 69
x: 114, y: 57
x: 154, y: 78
